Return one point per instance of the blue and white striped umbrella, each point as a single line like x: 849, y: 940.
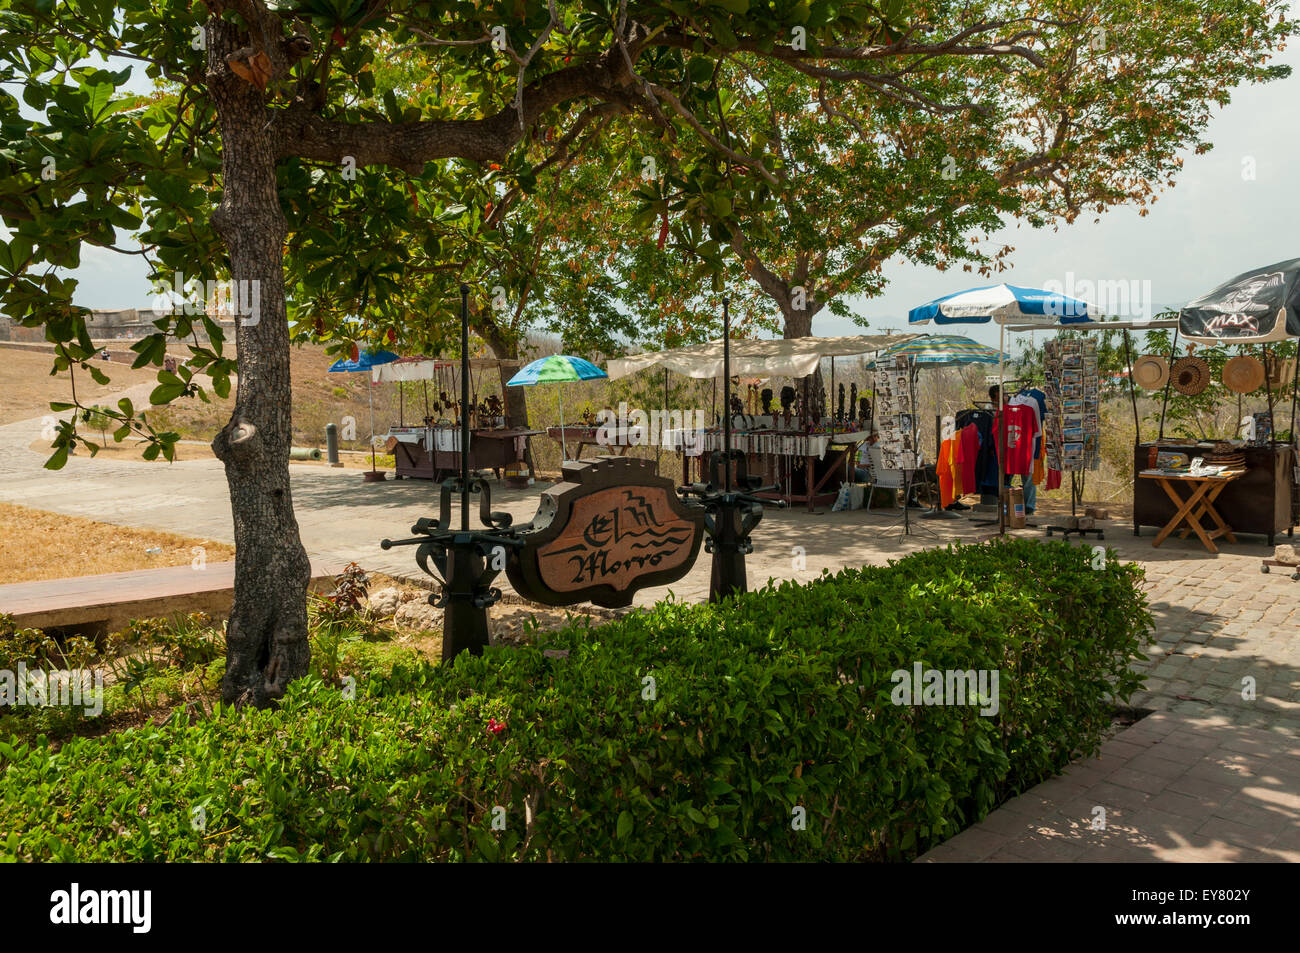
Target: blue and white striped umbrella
x: 938, y: 350
x: 1005, y: 304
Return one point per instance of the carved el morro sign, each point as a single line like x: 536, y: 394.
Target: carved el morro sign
x: 612, y: 527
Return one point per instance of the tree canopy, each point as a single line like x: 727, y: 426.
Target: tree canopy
x: 345, y: 162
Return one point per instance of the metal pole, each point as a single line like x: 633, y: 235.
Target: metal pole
x: 564, y: 445
x: 464, y: 408
x: 1295, y: 388
x: 370, y: 396
x: 1268, y: 391
x: 1001, y: 436
x: 1173, y: 349
x: 726, y: 393
x: 1132, y: 393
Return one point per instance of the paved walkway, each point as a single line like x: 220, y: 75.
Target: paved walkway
x: 1219, y: 621
x: 1171, y: 788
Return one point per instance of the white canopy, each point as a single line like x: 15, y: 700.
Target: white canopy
x: 793, y: 357
x: 403, y: 371
x: 415, y: 369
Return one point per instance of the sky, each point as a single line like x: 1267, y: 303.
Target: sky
x: 1214, y: 224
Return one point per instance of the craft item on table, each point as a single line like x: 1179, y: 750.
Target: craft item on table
x: 767, y: 401
x: 1243, y: 374
x: 1170, y: 460
x: 1263, y: 427
x: 864, y: 410
x: 839, y: 409
x: 787, y: 402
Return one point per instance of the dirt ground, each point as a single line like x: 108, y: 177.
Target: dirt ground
x: 36, y: 545
x: 29, y: 387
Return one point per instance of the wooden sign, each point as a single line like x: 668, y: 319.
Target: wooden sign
x: 611, y: 528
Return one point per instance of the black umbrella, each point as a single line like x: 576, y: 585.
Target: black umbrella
x: 1256, y: 307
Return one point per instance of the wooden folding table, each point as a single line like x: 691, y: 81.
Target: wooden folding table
x: 1190, y: 510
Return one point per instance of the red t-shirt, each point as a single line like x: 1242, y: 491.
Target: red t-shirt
x: 970, y: 451
x: 1021, y: 428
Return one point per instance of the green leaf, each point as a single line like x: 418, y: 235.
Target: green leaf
x: 624, y: 825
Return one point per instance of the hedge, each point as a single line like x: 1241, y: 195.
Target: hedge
x: 760, y: 729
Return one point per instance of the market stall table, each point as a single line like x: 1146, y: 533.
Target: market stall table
x: 433, y: 453
x: 1199, y: 503
x: 1260, y: 502
x: 588, y: 437
x: 768, y: 451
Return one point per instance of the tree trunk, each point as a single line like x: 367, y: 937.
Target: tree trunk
x: 798, y: 324
x: 266, y: 637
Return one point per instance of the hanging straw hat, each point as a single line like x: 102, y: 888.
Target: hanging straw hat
x: 1190, y: 375
x: 1150, y: 371
x: 1243, y: 374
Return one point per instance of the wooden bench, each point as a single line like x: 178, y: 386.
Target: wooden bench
x: 106, y: 603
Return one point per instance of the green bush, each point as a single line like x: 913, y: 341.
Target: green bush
x: 778, y: 701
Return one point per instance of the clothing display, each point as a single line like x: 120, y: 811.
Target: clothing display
x: 985, y: 477
x: 1020, y: 423
x: 944, y: 472
x: 968, y: 457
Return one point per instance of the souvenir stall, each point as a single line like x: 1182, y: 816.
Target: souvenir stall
x: 956, y: 447
x: 559, y: 369
x: 1018, y: 423
x: 431, y: 450
x: 788, y: 439
x: 1215, y: 489
x: 367, y: 360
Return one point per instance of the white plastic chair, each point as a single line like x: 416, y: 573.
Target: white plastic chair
x: 880, y: 477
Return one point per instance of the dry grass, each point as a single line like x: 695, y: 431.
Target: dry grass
x: 29, y: 387
x: 36, y: 545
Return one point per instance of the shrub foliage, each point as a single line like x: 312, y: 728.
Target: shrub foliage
x: 760, y: 729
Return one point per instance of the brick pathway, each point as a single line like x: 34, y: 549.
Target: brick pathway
x: 1171, y: 788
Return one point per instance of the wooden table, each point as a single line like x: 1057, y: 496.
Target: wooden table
x: 1190, y: 510
x: 583, y: 437
x: 1260, y: 503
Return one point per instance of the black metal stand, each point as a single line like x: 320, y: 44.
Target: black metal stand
x: 731, y: 515
x: 1067, y: 531
x: 468, y: 560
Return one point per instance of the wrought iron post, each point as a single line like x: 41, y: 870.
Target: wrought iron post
x: 465, y: 562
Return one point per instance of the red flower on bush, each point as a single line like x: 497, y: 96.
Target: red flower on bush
x: 496, y: 727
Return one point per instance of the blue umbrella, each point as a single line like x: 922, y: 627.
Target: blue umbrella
x: 557, y: 369
x: 364, y: 362
x: 1003, y: 304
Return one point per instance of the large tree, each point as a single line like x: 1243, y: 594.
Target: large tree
x: 265, y: 87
